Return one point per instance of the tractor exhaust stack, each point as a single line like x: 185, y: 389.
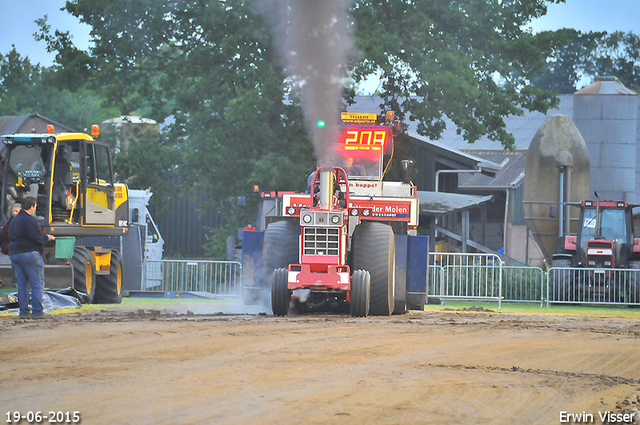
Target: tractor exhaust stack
x: 326, y: 189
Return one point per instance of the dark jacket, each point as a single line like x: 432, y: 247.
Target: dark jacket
x: 4, y: 237
x: 26, y: 235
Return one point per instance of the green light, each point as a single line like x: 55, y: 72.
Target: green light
x: 321, y: 123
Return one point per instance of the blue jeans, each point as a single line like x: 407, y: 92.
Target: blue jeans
x: 29, y: 267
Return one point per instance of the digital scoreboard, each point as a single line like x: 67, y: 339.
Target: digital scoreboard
x: 364, y: 138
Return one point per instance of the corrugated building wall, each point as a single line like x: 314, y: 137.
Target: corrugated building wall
x: 606, y: 113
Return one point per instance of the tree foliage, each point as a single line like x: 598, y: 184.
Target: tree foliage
x: 571, y: 54
x: 578, y: 58
x: 466, y: 60
x: 212, y: 69
x: 27, y: 88
x: 208, y: 65
x: 617, y: 55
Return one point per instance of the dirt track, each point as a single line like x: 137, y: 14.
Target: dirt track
x: 446, y: 368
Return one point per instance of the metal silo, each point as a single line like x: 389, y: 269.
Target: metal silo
x: 606, y: 113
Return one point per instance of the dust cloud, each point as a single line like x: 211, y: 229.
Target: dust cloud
x: 314, y: 38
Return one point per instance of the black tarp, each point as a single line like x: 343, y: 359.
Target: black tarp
x: 51, y: 300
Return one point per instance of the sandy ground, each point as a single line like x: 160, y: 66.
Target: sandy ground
x: 456, y: 367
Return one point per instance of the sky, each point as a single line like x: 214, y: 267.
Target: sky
x: 17, y: 16
x: 17, y: 22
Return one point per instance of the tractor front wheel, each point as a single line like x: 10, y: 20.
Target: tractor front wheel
x: 280, y: 294
x: 360, y: 293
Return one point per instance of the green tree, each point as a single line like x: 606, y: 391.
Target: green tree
x: 20, y: 84
x: 213, y: 67
x: 618, y: 55
x: 470, y: 61
x: 209, y: 65
x: 27, y: 88
x: 571, y: 53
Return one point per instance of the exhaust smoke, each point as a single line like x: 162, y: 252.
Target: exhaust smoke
x: 314, y: 38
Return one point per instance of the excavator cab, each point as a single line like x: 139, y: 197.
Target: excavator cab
x: 70, y: 174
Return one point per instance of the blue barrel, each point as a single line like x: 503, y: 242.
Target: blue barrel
x: 417, y: 271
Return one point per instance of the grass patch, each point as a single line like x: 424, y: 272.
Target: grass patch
x: 535, y: 309
x: 133, y: 303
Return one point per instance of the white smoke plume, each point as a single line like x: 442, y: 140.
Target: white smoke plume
x: 314, y: 38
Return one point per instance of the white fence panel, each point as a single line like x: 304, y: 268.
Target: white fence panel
x: 593, y: 286
x: 216, y: 277
x: 466, y: 276
x: 523, y: 284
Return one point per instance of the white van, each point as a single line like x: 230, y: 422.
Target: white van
x: 151, y: 244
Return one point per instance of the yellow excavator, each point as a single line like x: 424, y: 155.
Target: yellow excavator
x: 71, y: 176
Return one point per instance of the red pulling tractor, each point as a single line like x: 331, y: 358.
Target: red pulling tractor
x: 601, y: 263
x: 352, y: 239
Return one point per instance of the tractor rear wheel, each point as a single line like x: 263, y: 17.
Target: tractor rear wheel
x: 84, y: 272
x: 373, y: 248
x: 280, y: 248
x: 360, y: 293
x: 280, y: 294
x: 109, y: 287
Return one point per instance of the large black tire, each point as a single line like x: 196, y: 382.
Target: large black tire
x: 84, y: 272
x: 280, y: 294
x: 561, y: 281
x: 280, y: 248
x: 360, y: 293
x: 109, y: 287
x: 373, y: 248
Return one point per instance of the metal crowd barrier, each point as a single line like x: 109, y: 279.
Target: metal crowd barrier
x: 593, y: 286
x: 466, y: 276
x: 523, y: 284
x: 452, y: 276
x: 216, y: 277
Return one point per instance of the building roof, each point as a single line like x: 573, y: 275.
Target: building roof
x: 606, y: 85
x: 28, y: 123
x: 511, y: 175
x: 130, y: 119
x: 10, y: 124
x: 522, y: 127
x: 440, y: 203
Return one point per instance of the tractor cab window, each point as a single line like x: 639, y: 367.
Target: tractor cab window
x: 28, y: 169
x: 98, y: 165
x: 613, y: 224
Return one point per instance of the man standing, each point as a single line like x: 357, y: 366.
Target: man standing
x: 4, y: 233
x: 25, y: 252
x: 5, y: 242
